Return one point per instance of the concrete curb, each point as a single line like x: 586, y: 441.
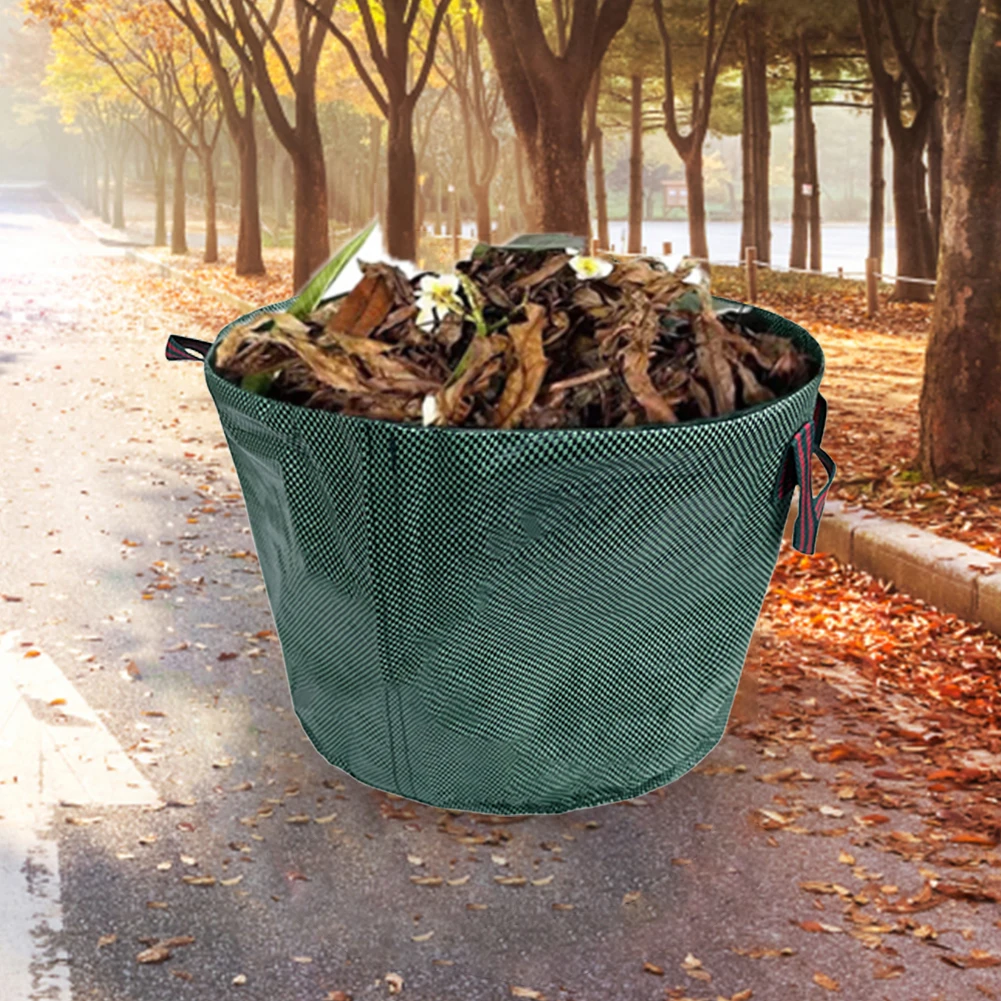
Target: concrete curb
x: 950, y: 575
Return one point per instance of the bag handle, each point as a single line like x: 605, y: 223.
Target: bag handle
x: 805, y: 443
x: 186, y: 348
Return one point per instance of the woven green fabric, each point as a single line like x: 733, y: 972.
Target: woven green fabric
x: 514, y: 621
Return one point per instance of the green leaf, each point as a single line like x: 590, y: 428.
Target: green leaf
x: 258, y: 382
x: 534, y: 241
x: 307, y: 300
x: 546, y: 241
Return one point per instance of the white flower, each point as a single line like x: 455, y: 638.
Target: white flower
x: 437, y: 296
x: 697, y: 276
x: 429, y: 409
x: 589, y: 267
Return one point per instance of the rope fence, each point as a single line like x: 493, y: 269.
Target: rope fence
x: 871, y: 276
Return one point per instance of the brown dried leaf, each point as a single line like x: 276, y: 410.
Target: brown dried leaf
x: 176, y: 942
x: 713, y: 363
x: 155, y: 954
x: 636, y: 368
x: 754, y: 392
x: 552, y: 265
x: 977, y: 959
x: 888, y: 972
x: 828, y: 983
x: 453, y: 401
x: 530, y: 363
x: 365, y: 306
x: 364, y: 347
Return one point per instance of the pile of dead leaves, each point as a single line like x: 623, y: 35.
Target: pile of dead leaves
x: 527, y: 339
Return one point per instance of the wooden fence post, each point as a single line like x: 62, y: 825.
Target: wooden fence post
x: 454, y: 195
x: 751, y: 263
x: 871, y: 286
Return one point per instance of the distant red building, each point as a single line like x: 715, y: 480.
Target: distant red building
x: 675, y: 195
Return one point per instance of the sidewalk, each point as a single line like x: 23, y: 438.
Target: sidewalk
x: 949, y: 575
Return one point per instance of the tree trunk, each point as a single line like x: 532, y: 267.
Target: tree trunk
x: 159, y: 154
x: 558, y: 167
x: 698, y: 243
x: 762, y: 148
x: 88, y: 170
x: 121, y: 154
x: 401, y: 164
x: 311, y: 239
x: 636, y: 168
x: 375, y: 142
x: 178, y: 229
x: 281, y: 165
x: 877, y: 183
x: 748, y: 222
x: 935, y: 176
x: 481, y: 196
x: 755, y: 140
x: 211, y: 254
x: 527, y: 203
x: 960, y: 406
x: 249, y: 256
x: 811, y: 163
x: 800, y: 168
x: 92, y: 199
x: 600, y: 192
x: 106, y: 188
x: 912, y: 222
x: 421, y: 209
x: 382, y: 196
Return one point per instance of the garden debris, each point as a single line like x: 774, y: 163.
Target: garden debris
x: 519, y: 338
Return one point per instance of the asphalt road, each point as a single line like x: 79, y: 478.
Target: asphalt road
x: 136, y: 753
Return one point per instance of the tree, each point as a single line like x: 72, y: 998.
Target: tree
x: 630, y: 66
x: 236, y: 94
x: 391, y: 57
x: 756, y: 135
x: 906, y: 95
x: 960, y: 404
x: 689, y: 145
x: 479, y: 99
x: 596, y: 144
x: 545, y: 91
x: 254, y: 37
x: 91, y: 98
x: 156, y: 63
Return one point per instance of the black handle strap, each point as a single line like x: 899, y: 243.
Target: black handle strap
x: 186, y: 348
x: 805, y: 443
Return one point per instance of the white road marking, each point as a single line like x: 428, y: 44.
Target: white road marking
x: 79, y: 760
x: 60, y: 753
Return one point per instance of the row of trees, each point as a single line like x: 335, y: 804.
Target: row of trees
x: 556, y: 73
x: 172, y: 72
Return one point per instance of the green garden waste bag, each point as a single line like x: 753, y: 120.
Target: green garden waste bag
x: 518, y: 621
